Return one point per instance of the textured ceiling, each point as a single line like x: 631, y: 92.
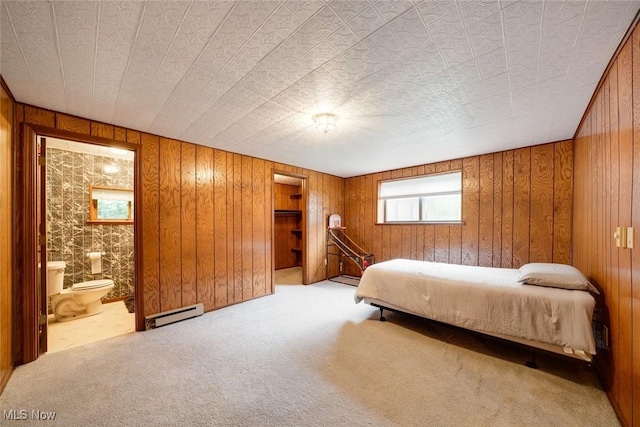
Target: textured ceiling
x: 412, y: 82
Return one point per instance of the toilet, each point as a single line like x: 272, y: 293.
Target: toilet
x: 81, y: 300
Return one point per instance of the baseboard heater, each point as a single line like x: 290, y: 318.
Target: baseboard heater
x: 171, y: 316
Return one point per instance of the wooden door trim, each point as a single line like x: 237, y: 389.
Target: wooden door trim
x: 26, y: 284
x: 304, y: 209
x: 26, y: 287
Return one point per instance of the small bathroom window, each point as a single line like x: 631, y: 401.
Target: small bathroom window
x: 109, y: 205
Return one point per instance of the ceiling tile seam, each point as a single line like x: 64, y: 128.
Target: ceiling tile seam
x: 475, y: 57
x: 272, y: 100
x: 273, y: 124
x: 540, y: 39
x: 402, y: 47
x: 274, y: 77
x: 195, y: 62
x: 424, y: 77
x: 361, y: 39
x: 573, y: 53
x: 126, y: 67
x: 240, y: 48
x: 506, y: 55
x: 95, y: 58
x: 24, y: 58
x: 266, y: 56
x: 164, y: 58
x: 59, y: 54
x: 193, y: 122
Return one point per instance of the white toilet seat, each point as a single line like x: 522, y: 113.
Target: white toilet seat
x: 91, y: 284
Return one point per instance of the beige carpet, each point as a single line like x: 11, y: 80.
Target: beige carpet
x: 306, y: 356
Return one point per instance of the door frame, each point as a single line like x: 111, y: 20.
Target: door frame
x: 304, y: 209
x: 27, y: 305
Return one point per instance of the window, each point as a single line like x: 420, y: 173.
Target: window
x: 110, y: 205
x: 427, y: 199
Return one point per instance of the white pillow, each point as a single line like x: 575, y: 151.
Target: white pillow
x: 555, y: 276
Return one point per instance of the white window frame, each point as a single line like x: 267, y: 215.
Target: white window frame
x: 381, y: 206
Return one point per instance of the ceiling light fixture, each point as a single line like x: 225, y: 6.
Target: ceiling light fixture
x: 325, y: 121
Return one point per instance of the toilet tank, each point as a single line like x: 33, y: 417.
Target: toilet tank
x: 55, y: 277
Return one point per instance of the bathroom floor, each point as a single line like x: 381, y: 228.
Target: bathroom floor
x: 114, y: 320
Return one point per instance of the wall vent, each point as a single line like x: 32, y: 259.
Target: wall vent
x: 171, y: 316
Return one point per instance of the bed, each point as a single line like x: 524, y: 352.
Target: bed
x: 546, y: 306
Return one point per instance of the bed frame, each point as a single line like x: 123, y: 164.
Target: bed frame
x: 531, y: 345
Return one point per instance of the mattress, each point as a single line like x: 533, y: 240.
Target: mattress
x: 483, y: 299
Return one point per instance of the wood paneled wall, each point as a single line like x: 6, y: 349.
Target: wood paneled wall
x: 207, y: 217
x: 607, y: 195
x: 6, y: 235
x: 516, y: 209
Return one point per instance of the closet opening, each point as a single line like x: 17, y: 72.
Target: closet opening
x: 289, y: 228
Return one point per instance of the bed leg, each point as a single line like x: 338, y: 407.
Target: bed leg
x: 532, y: 363
x: 382, y: 318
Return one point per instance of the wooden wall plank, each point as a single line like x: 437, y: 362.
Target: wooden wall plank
x: 521, y: 199
x: 507, y: 209
x: 170, y: 227
x: 39, y: 116
x: 120, y: 134
x: 441, y: 243
x: 541, y: 204
x: 267, y: 191
x: 205, y: 234
x: 237, y: 229
x: 314, y: 225
x: 220, y: 227
x: 470, y: 214
x: 133, y: 137
x: 73, y: 124
x: 151, y: 224
x: 230, y: 227
x: 247, y: 228
x: 188, y: 221
x: 497, y: 210
x: 485, y: 211
x: 102, y: 129
x: 259, y: 238
x: 562, y: 202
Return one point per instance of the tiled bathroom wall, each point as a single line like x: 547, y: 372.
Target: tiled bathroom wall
x: 69, y: 175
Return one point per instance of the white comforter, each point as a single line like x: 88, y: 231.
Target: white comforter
x: 483, y: 299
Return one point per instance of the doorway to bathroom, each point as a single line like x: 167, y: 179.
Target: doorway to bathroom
x: 90, y: 251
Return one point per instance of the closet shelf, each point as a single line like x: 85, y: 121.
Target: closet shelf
x: 287, y: 212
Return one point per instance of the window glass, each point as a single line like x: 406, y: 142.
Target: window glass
x: 400, y: 210
x: 110, y: 204
x: 431, y: 198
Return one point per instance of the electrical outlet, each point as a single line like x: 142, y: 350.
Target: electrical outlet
x: 630, y: 239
